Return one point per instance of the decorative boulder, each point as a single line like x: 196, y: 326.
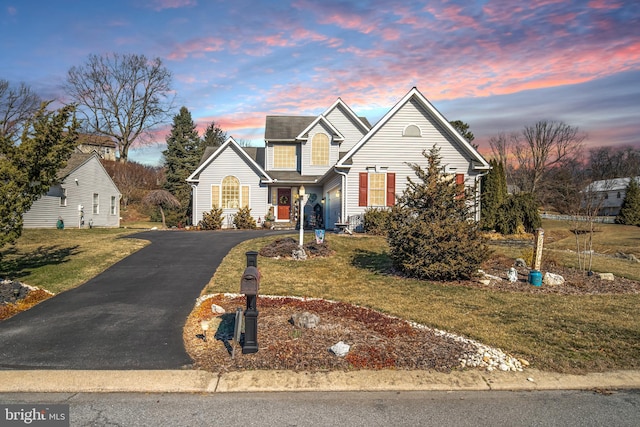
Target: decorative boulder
x: 305, y: 320
x: 607, y: 276
x: 551, y: 279
x: 520, y: 263
x: 340, y: 349
x: 216, y: 309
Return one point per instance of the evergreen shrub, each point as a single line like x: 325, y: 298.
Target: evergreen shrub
x: 431, y: 232
x: 243, y: 219
x: 211, y: 220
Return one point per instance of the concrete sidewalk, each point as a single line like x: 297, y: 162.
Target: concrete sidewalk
x: 188, y: 381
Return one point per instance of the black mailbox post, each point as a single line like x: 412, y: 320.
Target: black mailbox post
x: 249, y: 286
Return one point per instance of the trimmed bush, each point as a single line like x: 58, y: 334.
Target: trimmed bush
x: 243, y: 219
x: 376, y: 221
x: 211, y: 220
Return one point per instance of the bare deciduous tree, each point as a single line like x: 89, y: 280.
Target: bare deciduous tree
x: 122, y: 96
x: 542, y: 146
x: 614, y: 162
x: 17, y: 105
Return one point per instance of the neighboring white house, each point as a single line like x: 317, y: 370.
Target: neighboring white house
x: 345, y: 165
x: 84, y: 195
x: 609, y: 194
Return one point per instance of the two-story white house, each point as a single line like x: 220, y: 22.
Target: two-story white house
x: 345, y: 164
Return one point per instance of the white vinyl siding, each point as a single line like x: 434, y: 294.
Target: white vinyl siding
x: 209, y: 188
x: 347, y: 126
x: 92, y: 179
x: 389, y: 149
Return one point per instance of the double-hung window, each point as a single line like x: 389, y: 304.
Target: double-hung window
x: 377, y: 189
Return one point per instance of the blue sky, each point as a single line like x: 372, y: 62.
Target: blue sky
x: 496, y: 64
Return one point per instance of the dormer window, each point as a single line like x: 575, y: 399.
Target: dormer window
x: 284, y: 157
x: 320, y: 150
x: 412, y: 130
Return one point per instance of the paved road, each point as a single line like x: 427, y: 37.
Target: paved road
x: 129, y: 317
x: 540, y: 408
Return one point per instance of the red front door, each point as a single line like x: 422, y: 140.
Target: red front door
x: 284, y: 203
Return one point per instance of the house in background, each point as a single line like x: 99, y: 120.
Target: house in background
x: 609, y: 194
x: 84, y: 195
x: 102, y: 145
x: 344, y: 165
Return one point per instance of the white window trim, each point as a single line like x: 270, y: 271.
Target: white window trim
x: 63, y: 198
x: 377, y: 171
x: 95, y: 207
x: 295, y: 155
x: 404, y: 131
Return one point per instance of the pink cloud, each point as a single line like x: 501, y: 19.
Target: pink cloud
x: 604, y: 4
x: 196, y: 48
x: 159, y: 5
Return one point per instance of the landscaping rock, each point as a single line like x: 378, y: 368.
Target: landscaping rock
x: 606, y: 276
x: 520, y: 263
x: 340, y: 349
x: 216, y: 309
x: 305, y: 320
x: 299, y: 254
x: 552, y: 279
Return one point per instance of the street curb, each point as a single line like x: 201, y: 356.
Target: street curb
x: 187, y: 381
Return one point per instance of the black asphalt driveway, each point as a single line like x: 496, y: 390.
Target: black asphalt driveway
x: 129, y: 317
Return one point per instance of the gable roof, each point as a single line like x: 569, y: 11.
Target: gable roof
x: 285, y: 128
x: 614, y: 184
x: 360, y: 121
x: 230, y: 142
x: 95, y: 140
x: 478, y: 161
x: 74, y: 162
x: 337, y: 136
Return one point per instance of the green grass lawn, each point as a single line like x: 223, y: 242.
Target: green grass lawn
x: 554, y: 332
x: 57, y: 260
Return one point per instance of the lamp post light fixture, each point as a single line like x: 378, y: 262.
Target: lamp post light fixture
x: 301, y: 196
x: 204, y: 324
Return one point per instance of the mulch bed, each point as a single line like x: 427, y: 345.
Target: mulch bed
x: 377, y: 341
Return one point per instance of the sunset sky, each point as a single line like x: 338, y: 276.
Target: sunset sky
x: 496, y: 64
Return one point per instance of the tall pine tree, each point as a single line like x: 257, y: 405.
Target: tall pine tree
x: 630, y: 210
x: 213, y: 136
x: 431, y: 233
x: 181, y: 158
x: 494, y: 194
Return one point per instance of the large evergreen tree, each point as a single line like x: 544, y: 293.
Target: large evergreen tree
x: 630, y: 210
x: 29, y: 167
x: 431, y: 233
x: 213, y: 136
x: 494, y: 194
x: 181, y: 158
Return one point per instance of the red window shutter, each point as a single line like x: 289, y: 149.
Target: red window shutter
x: 362, y: 189
x: 391, y: 189
x: 460, y: 183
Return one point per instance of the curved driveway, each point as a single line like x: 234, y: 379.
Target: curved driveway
x: 129, y: 317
